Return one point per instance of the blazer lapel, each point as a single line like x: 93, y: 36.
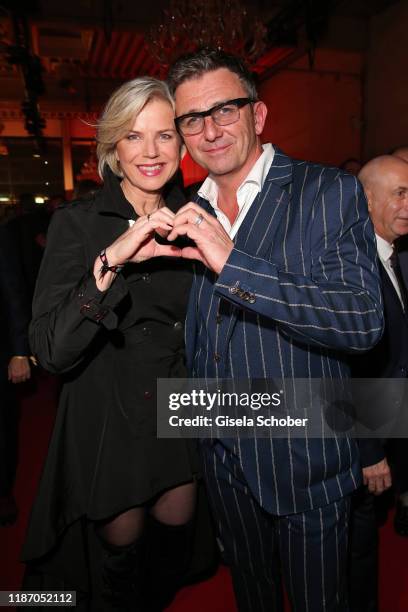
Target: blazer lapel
x: 204, y: 204
x: 258, y: 230
x: 389, y: 288
x: 259, y: 227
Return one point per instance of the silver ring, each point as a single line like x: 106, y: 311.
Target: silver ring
x: 199, y: 219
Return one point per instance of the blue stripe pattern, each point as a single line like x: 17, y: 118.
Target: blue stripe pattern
x: 308, y: 549
x: 299, y: 290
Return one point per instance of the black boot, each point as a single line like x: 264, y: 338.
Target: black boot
x: 169, y: 550
x: 123, y: 577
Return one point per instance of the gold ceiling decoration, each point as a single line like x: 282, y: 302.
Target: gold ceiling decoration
x: 226, y: 24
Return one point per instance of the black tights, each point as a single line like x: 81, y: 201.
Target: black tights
x: 174, y: 507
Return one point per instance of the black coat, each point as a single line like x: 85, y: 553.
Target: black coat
x: 14, y: 304
x: 104, y: 456
x: 14, y: 320
x: 26, y: 229
x: 384, y: 398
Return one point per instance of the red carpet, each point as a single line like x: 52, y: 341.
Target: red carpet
x: 216, y: 594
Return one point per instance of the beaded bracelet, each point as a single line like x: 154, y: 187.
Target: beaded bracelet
x: 105, y: 265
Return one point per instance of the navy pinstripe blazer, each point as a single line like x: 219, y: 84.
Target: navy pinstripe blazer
x: 306, y: 257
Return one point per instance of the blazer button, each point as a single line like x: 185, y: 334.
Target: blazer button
x: 178, y: 326
x: 146, y: 277
x: 218, y: 319
x: 146, y: 331
x: 147, y: 395
x: 217, y: 357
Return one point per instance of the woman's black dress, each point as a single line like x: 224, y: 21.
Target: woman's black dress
x: 111, y: 347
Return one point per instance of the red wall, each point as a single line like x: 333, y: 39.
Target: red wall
x: 386, y: 83
x: 316, y: 114
x: 192, y: 172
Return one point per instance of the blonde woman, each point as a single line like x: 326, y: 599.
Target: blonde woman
x: 108, y: 316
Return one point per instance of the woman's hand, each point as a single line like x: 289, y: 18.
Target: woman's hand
x: 138, y: 244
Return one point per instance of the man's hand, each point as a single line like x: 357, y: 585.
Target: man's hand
x: 377, y: 477
x: 19, y: 369
x: 213, y: 245
x: 138, y: 243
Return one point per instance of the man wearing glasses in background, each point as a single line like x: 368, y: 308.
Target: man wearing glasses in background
x: 285, y: 288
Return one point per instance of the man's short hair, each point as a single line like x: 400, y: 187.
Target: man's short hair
x: 194, y: 65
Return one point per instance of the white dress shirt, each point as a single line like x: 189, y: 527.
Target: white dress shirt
x: 246, y: 192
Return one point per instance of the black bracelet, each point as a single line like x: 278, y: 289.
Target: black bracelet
x: 105, y: 265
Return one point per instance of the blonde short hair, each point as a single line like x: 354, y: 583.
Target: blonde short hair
x: 119, y: 114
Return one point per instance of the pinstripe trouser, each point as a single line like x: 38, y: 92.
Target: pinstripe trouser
x: 308, y: 549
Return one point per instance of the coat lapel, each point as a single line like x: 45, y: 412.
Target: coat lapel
x: 263, y: 218
x: 389, y: 289
x: 258, y: 230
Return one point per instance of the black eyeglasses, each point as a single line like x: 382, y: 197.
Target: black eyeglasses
x: 222, y: 114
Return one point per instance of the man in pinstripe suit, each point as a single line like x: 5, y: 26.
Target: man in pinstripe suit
x: 285, y: 287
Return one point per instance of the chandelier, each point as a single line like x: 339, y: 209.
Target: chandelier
x: 224, y: 24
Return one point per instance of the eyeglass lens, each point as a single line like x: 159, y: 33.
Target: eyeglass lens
x: 221, y: 115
